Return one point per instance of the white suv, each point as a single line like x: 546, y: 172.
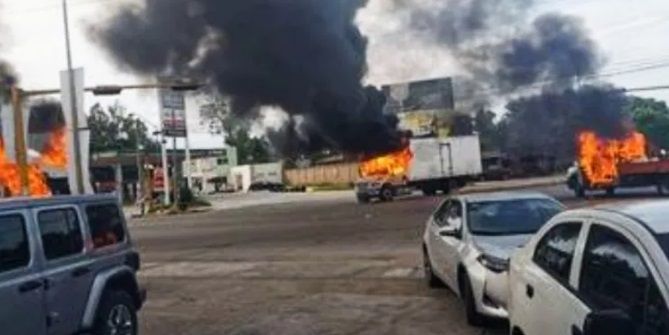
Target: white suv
x: 468, y: 241
x: 598, y: 271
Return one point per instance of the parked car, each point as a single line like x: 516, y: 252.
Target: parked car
x: 67, y: 265
x: 468, y: 241
x: 594, y: 271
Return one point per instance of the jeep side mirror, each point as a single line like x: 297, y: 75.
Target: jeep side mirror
x: 611, y: 322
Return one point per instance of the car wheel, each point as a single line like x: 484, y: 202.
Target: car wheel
x: 432, y: 280
x: 387, y: 194
x: 116, y: 315
x: 474, y: 318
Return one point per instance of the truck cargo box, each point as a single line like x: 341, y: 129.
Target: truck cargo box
x: 438, y: 158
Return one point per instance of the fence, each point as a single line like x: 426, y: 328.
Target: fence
x: 344, y: 173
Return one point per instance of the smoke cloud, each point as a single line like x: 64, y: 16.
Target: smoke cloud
x: 306, y: 57
x: 45, y: 117
x: 552, y: 120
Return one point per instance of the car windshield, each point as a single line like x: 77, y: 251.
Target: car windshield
x: 510, y: 217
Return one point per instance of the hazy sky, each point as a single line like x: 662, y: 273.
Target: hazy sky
x: 630, y: 34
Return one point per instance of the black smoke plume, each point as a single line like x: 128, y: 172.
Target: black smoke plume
x: 549, y: 123
x: 45, y: 117
x: 307, y: 57
x: 501, y: 48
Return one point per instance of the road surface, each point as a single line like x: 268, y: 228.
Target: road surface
x: 314, y: 264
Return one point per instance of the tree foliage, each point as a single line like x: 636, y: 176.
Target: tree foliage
x: 216, y: 113
x: 113, y: 129
x: 651, y: 118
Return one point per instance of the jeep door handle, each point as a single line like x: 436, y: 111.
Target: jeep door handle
x: 529, y: 290
x: 30, y: 286
x: 80, y: 272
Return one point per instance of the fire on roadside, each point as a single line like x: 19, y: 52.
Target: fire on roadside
x: 599, y: 157
x: 53, y: 155
x: 394, y: 164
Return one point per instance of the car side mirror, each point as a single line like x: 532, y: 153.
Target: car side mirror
x: 610, y: 322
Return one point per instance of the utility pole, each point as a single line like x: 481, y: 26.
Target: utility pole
x: 140, y: 165
x: 20, y: 145
x: 175, y: 164
x: 75, y: 113
x: 166, y: 170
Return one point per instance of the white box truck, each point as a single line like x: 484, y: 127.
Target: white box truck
x: 428, y: 164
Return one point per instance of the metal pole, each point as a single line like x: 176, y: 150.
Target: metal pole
x: 75, y: 114
x: 189, y: 173
x: 140, y: 166
x: 175, y: 162
x: 20, y: 146
x: 166, y: 171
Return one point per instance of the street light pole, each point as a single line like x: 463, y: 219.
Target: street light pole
x: 76, y: 141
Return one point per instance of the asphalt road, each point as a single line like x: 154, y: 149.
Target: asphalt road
x: 302, y: 267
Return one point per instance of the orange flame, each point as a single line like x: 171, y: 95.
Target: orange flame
x: 391, y: 165
x: 599, y: 157
x: 10, y: 177
x: 55, y: 151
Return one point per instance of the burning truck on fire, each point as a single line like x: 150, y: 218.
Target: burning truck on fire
x: 608, y: 164
x: 431, y: 158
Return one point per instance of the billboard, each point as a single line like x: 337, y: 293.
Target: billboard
x: 423, y: 107
x: 173, y: 113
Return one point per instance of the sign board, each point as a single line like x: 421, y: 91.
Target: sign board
x: 423, y: 107
x: 173, y: 113
x: 81, y: 129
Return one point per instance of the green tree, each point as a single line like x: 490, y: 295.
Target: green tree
x: 217, y: 114
x: 490, y: 132
x: 651, y: 118
x: 113, y: 129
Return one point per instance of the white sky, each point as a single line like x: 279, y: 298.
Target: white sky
x: 629, y: 33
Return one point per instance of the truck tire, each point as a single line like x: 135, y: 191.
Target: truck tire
x: 363, y: 199
x: 611, y: 191
x: 387, y: 194
x: 663, y: 189
x: 429, y: 190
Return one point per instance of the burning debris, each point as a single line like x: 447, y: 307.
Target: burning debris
x: 46, y: 118
x: 306, y: 57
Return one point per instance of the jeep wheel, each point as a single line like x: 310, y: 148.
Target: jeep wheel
x: 116, y: 315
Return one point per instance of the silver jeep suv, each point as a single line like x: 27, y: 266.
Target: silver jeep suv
x: 67, y: 265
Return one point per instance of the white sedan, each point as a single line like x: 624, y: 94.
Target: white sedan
x: 600, y: 271
x: 468, y: 241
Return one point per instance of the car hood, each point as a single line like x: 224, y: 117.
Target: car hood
x: 500, y: 246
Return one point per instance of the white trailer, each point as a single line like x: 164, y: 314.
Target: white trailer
x: 438, y: 164
x: 244, y: 177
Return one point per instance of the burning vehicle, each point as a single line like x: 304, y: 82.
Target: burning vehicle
x: 427, y: 164
x: 607, y: 164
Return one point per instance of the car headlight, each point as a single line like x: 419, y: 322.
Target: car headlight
x: 494, y: 264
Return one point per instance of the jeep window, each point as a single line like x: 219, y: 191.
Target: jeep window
x: 60, y: 232
x: 555, y: 252
x: 106, y: 225
x: 14, y: 248
x: 614, y: 276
